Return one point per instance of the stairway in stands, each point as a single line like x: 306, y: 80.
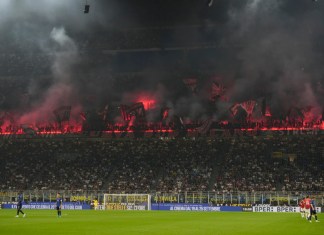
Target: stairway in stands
x: 218, y: 162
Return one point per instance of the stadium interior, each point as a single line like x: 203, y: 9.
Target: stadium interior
x: 168, y: 96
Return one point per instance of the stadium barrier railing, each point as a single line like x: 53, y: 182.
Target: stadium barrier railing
x: 274, y: 198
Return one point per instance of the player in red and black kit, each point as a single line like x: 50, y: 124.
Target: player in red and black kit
x: 308, y: 202
x: 302, y: 207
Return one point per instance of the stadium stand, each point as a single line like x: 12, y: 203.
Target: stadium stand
x: 170, y: 165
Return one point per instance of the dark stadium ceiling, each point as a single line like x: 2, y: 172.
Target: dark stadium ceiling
x: 135, y: 13
x: 185, y: 11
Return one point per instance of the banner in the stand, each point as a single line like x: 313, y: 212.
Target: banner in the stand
x: 48, y: 206
x: 193, y: 207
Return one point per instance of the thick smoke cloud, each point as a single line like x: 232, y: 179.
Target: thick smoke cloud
x: 41, y: 29
x: 265, y: 48
x: 278, y: 54
x: 62, y: 91
x: 65, y: 56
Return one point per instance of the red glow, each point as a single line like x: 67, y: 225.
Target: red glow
x: 48, y: 127
x: 321, y: 127
x: 148, y: 103
x: 268, y: 112
x: 70, y: 130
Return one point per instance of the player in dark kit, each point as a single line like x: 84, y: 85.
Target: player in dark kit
x: 20, y: 199
x: 59, y: 205
x: 313, y: 209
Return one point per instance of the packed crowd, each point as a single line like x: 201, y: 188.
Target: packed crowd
x: 165, y: 165
x: 186, y: 167
x: 54, y: 165
x: 287, y: 163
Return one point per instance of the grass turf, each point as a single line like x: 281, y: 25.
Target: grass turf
x: 155, y: 222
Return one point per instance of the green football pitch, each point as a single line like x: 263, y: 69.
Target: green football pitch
x: 155, y: 222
